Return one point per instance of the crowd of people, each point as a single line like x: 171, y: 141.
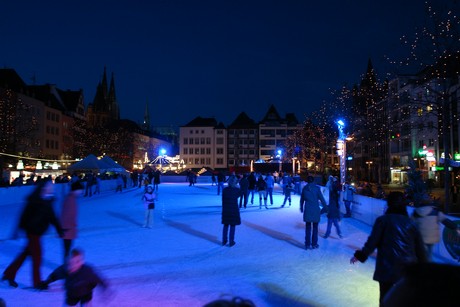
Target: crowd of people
x: 402, y: 241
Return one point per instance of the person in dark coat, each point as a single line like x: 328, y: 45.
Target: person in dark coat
x: 398, y: 243
x: 156, y: 180
x: 244, y: 186
x: 309, y: 205
x: 37, y: 216
x: 333, y: 214
x: 230, y: 211
x: 426, y: 284
x: 80, y: 280
x: 252, y: 186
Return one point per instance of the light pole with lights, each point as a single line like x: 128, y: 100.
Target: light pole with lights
x: 341, y: 149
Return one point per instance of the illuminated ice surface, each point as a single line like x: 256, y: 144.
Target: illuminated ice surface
x: 180, y: 262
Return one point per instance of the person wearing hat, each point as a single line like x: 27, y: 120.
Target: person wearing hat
x: 398, y: 243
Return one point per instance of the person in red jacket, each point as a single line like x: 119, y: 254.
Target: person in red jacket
x: 37, y: 216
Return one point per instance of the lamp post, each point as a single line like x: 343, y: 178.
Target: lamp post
x: 162, y: 154
x: 279, y: 152
x: 341, y: 149
x: 369, y: 163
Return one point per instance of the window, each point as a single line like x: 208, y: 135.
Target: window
x: 220, y: 141
x: 196, y: 132
x: 202, y: 141
x: 219, y: 161
x: 191, y: 131
x: 185, y: 141
x: 208, y: 141
x: 202, y: 151
x: 197, y: 141
x: 197, y: 151
x: 208, y: 151
x: 208, y: 161
x: 191, y: 141
x: 197, y: 161
x: 185, y: 151
x: 202, y: 161
x: 219, y: 151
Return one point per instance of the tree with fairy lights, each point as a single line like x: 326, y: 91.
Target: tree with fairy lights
x: 434, y: 52
x: 307, y: 144
x: 17, y: 122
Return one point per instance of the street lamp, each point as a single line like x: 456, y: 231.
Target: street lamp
x: 162, y: 153
x: 341, y: 149
x: 279, y: 152
x: 369, y: 163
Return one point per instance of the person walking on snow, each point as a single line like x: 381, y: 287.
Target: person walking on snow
x: 149, y: 204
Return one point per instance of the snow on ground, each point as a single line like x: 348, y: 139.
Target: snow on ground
x: 180, y: 261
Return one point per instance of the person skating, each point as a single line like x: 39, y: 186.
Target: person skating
x: 398, y: 243
x: 149, y: 204
x: 261, y: 187
x: 35, y: 219
x: 81, y: 279
x: 230, y: 211
x: 348, y: 194
x: 244, y: 186
x: 310, y: 198
x: 270, y: 187
x: 333, y: 214
x: 287, y: 194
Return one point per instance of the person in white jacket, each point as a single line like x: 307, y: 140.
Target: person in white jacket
x: 428, y: 219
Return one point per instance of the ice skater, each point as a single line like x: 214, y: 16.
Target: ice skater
x: 80, y: 281
x: 309, y: 205
x: 288, y: 189
x: 262, y: 190
x: 149, y: 204
x: 35, y: 220
x: 230, y: 210
x: 333, y: 215
x: 398, y: 243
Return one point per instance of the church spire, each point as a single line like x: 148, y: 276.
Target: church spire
x: 146, y: 122
x: 104, y: 82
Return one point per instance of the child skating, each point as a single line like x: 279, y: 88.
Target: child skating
x: 80, y: 281
x: 149, y: 204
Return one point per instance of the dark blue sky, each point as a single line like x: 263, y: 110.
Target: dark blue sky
x: 204, y: 58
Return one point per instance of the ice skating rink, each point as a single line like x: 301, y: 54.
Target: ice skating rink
x: 181, y: 262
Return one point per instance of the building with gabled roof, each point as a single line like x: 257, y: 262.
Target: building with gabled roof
x: 273, y: 132
x: 203, y: 143
x: 242, y: 141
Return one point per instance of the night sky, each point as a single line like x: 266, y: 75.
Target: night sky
x: 204, y: 58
